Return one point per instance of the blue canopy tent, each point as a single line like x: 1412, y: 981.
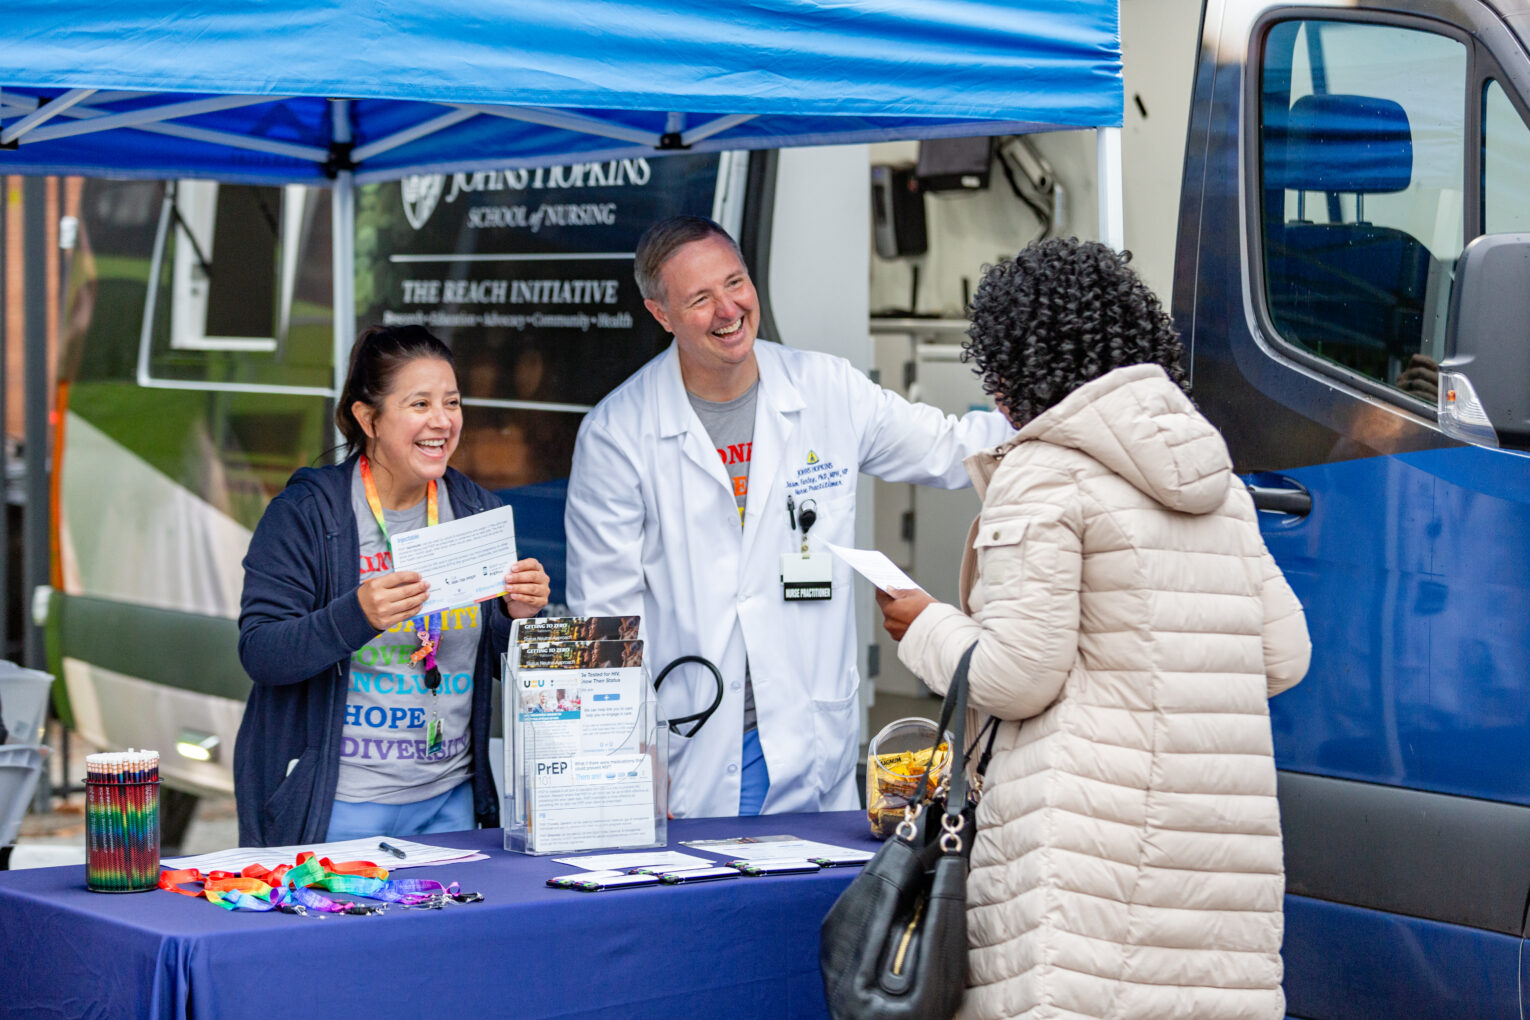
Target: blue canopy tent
x: 350, y: 91
x: 246, y: 92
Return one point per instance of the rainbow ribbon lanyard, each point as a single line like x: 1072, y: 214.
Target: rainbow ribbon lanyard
x: 363, y: 878
x: 231, y: 892
x: 292, y: 890
x: 428, y: 631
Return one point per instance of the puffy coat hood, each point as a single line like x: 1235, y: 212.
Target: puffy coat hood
x: 1140, y: 425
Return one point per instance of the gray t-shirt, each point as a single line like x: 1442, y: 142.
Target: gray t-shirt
x: 730, y: 425
x: 382, y: 749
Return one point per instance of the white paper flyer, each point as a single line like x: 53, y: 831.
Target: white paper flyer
x: 464, y: 560
x: 582, y: 754
x: 592, y: 800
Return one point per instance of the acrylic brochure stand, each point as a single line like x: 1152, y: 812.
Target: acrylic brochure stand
x: 586, y: 754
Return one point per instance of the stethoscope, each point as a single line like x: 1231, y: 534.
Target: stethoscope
x: 699, y: 718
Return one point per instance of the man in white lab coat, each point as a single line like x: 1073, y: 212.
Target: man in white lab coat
x: 695, y: 478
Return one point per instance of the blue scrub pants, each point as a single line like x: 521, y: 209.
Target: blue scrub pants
x: 451, y: 811
x: 755, y: 781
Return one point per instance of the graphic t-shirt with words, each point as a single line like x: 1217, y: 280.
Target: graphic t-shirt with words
x: 382, y: 749
x: 730, y: 425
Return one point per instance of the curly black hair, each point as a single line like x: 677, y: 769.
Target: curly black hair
x: 1061, y: 313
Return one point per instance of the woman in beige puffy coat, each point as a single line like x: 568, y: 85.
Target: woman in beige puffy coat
x: 1125, y: 611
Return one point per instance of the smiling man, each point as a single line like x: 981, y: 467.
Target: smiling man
x: 703, y: 485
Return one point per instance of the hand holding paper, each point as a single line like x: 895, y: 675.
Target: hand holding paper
x: 898, y: 611
x: 527, y: 589
x: 391, y: 598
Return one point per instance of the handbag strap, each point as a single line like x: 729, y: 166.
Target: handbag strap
x: 954, y: 715
x: 991, y: 727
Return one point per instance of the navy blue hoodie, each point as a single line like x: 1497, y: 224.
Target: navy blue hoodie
x: 299, y: 622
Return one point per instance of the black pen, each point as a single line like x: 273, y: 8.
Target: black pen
x: 395, y: 851
x: 791, y: 511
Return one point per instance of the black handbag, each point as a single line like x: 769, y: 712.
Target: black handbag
x: 894, y: 945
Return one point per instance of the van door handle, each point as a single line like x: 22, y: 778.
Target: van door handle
x: 1288, y: 498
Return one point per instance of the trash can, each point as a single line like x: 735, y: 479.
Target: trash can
x: 23, y: 702
x: 20, y: 767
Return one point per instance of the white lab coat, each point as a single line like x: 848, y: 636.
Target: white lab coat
x: 653, y: 529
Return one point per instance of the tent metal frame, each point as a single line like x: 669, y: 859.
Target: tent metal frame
x: 153, y: 120
x: 88, y: 115
x: 86, y: 112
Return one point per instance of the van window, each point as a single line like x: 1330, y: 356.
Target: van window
x: 1505, y: 165
x: 241, y: 290
x: 1362, y: 149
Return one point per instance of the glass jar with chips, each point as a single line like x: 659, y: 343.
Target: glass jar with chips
x: 895, y: 761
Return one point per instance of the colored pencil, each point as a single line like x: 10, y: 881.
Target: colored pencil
x: 122, y: 821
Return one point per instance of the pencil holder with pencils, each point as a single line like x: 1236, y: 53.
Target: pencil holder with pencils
x: 122, y: 821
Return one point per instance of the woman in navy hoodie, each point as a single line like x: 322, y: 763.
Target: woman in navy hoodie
x: 365, y: 717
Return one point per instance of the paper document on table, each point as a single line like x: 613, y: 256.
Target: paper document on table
x: 875, y: 567
x: 416, y: 855
x: 771, y: 848
x: 464, y: 560
x: 639, y: 859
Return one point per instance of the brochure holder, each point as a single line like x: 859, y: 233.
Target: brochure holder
x: 586, y: 758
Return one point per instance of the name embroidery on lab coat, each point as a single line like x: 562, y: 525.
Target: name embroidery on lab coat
x: 816, y: 475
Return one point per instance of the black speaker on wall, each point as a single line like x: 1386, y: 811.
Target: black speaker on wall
x: 954, y: 164
x: 897, y: 212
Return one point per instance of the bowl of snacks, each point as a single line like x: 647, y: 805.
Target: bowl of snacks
x: 896, y: 760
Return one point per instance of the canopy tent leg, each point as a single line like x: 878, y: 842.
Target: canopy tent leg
x: 343, y: 244
x: 1112, y: 226
x: 34, y: 548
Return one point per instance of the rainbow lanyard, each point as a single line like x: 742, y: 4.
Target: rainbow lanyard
x: 428, y: 630
x: 291, y: 890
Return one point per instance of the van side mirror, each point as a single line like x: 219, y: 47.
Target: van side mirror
x: 1485, y: 378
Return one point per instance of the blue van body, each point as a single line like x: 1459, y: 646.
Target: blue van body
x: 1347, y: 154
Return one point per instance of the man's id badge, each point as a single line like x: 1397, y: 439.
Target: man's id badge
x: 807, y: 577
x: 434, y: 744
